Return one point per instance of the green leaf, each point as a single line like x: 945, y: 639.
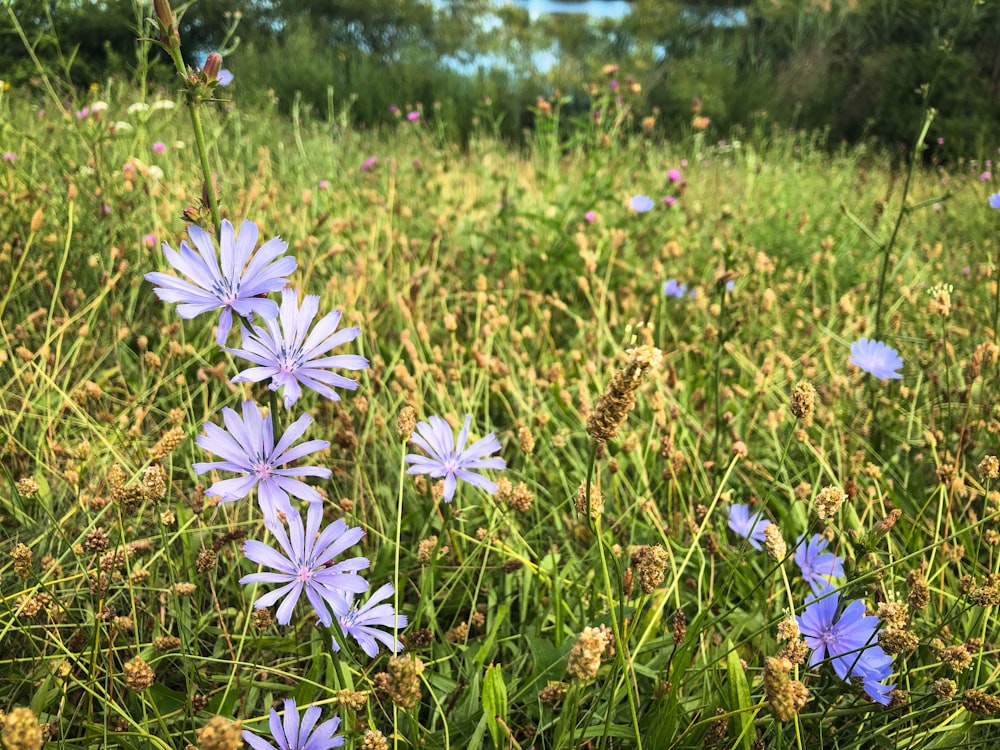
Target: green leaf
x: 739, y: 697
x: 495, y: 703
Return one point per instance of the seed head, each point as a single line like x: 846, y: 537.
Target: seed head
x: 138, y: 675
x: 553, y: 693
x: 406, y: 423
x: 920, y: 592
x: 945, y: 689
x: 829, y: 500
x: 803, y: 399
x: 352, y: 699
x: 21, y: 730
x: 525, y: 440
x: 618, y: 398
x: 989, y: 468
x: 220, y: 734
x: 21, y: 556
x: 585, y: 657
x: 774, y: 543
x: 785, y: 696
x: 596, y: 500
x: 168, y: 442
x: 374, y: 740
x: 957, y: 658
x: 401, y: 680
x: 27, y: 487
x: 980, y: 702
x: 650, y: 563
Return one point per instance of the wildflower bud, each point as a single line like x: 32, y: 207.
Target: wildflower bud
x: 406, y: 423
x: 829, y: 500
x: 525, y: 440
x: 585, y: 657
x: 36, y: 221
x: 980, y: 702
x: 21, y: 730
x: 618, y: 398
x: 138, y: 675
x: 774, y: 543
x: 220, y: 734
x: 212, y: 66
x: 785, y: 696
x: 803, y: 399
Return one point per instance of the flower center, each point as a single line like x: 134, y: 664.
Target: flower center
x: 227, y: 290
x: 262, y: 469
x: 304, y: 574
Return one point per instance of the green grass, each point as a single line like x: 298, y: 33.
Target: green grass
x: 480, y: 288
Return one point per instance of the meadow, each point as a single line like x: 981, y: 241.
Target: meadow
x: 724, y: 518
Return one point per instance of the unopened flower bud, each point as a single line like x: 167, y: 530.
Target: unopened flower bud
x: 212, y: 66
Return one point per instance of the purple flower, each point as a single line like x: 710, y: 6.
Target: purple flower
x: 83, y: 113
x: 590, y: 217
x: 613, y: 84
x: 849, y: 641
x: 324, y: 185
x: 817, y: 566
x: 236, y: 285
x: 452, y: 460
x: 985, y: 177
x: 149, y: 240
x: 285, y: 353
x: 295, y: 736
x: 9, y: 156
x: 362, y: 624
x: 674, y: 175
x: 641, y: 203
x: 995, y: 200
x: 368, y: 163
x: 669, y: 200
x: 248, y: 448
x: 876, y: 359
x: 674, y: 288
x: 940, y: 141
x: 413, y: 116
x: 307, y: 565
x: 393, y: 110
x: 159, y: 148
x: 225, y: 77
x: 750, y: 528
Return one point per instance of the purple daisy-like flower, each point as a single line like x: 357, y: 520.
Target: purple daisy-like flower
x: 225, y: 77
x: 876, y: 359
x: 235, y: 285
x: 749, y: 527
x: 817, y: 566
x: 849, y: 641
x: 995, y: 200
x: 285, y: 353
x: 674, y: 288
x: 295, y: 735
x: 641, y: 203
x: 363, y: 623
x: 452, y: 460
x: 307, y: 565
x: 247, y: 447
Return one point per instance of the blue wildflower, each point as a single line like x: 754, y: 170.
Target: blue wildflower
x: 305, y: 564
x: 848, y: 641
x: 234, y: 285
x: 641, y: 203
x: 291, y: 358
x: 817, y: 566
x: 362, y: 623
x: 293, y: 735
x: 674, y: 288
x: 248, y: 448
x: 750, y: 528
x: 995, y: 200
x: 452, y: 460
x: 876, y: 359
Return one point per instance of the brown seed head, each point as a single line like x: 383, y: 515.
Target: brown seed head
x: 220, y: 734
x: 21, y: 730
x: 138, y: 675
x: 803, y: 399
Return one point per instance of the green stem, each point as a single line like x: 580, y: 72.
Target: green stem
x: 199, y: 139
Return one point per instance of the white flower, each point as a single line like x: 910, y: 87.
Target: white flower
x: 155, y: 173
x: 121, y: 127
x: 163, y: 104
x: 137, y: 107
x: 98, y: 106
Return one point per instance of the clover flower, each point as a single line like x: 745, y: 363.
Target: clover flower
x: 234, y: 286
x: 749, y: 527
x: 817, y: 566
x: 452, y: 460
x: 294, y: 734
x: 305, y: 564
x: 849, y: 641
x: 876, y: 359
x: 247, y: 447
x: 362, y: 623
x: 641, y: 203
x: 285, y: 353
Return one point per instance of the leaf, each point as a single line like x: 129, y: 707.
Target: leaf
x: 495, y: 703
x: 739, y: 697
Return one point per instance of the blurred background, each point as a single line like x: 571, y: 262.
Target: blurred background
x: 850, y: 68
